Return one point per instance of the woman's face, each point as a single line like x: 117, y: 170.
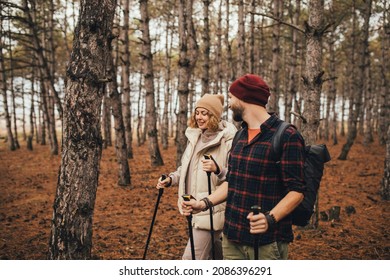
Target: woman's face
x: 202, y: 118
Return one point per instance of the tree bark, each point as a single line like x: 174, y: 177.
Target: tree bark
x: 125, y: 74
x: 167, y: 85
x: 187, y: 60
x: 385, y: 182
x: 106, y: 121
x: 360, y: 83
x: 124, y: 178
x: 218, y: 76
x: 384, y: 118
x: 151, y: 116
x: 241, y: 69
x: 206, y: 49
x: 3, y: 83
x: 292, y: 76
x: 44, y: 67
x: 313, y: 76
x: 273, y: 104
x: 71, y: 228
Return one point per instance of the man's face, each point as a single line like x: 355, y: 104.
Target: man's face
x: 236, y: 106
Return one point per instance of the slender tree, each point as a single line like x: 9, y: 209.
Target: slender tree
x: 206, y: 49
x: 167, y: 83
x: 292, y: 72
x: 313, y: 78
x: 273, y: 104
x: 124, y: 178
x: 187, y: 59
x: 384, y: 114
x: 241, y: 67
x: 313, y: 75
x: 360, y: 82
x: 3, y: 83
x: 147, y: 58
x: 385, y: 182
x: 125, y: 75
x: 44, y: 67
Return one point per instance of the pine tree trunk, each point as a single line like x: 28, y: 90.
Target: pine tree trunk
x: 384, y: 118
x: 385, y: 183
x: 187, y: 60
x: 124, y: 178
x: 368, y: 121
x: 313, y: 75
x: 230, y: 73
x: 292, y: 72
x: 151, y: 116
x: 218, y: 54
x: 252, y: 34
x: 125, y: 74
x: 45, y: 70
x: 360, y: 83
x: 3, y: 83
x: 241, y: 69
x: 273, y: 105
x: 71, y: 228
x: 206, y: 49
x: 106, y: 121
x: 167, y: 85
x: 332, y: 88
x: 312, y: 80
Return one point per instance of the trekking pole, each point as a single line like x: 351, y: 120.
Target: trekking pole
x: 160, y: 193
x: 211, y: 209
x: 187, y: 197
x: 256, y: 210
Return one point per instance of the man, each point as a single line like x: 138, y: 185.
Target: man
x: 254, y: 178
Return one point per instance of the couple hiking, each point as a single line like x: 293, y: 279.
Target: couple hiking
x: 233, y: 179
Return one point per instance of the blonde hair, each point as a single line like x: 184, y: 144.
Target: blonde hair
x: 212, y: 124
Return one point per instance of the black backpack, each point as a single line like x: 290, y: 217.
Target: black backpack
x: 315, y: 158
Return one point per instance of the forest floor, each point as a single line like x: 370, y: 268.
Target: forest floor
x: 122, y: 216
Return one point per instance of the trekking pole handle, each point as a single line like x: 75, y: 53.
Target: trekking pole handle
x: 187, y: 197
x: 209, y: 156
x: 256, y: 209
x: 161, y: 190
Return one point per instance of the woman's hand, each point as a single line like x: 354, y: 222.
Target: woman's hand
x: 164, y: 183
x: 209, y: 165
x: 192, y: 207
x: 258, y: 223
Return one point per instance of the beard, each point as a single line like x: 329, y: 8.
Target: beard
x: 237, y: 113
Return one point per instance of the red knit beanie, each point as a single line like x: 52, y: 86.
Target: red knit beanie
x: 251, y: 89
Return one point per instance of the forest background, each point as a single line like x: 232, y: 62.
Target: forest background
x: 85, y: 82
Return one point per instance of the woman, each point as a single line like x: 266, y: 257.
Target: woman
x: 206, y: 134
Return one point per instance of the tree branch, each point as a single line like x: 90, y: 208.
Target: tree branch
x: 280, y: 21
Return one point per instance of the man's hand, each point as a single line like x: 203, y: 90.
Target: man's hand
x: 258, y: 223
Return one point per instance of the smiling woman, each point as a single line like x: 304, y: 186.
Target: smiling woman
x: 208, y: 135
x: 208, y: 111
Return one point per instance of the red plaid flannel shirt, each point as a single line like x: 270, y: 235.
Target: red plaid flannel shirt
x: 255, y: 179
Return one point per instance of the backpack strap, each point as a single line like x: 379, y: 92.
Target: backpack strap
x: 236, y: 137
x: 276, y: 141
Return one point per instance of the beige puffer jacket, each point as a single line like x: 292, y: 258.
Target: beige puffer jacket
x: 219, y: 148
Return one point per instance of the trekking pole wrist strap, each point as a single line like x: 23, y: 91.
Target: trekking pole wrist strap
x: 270, y: 220
x: 170, y: 181
x: 208, y: 203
